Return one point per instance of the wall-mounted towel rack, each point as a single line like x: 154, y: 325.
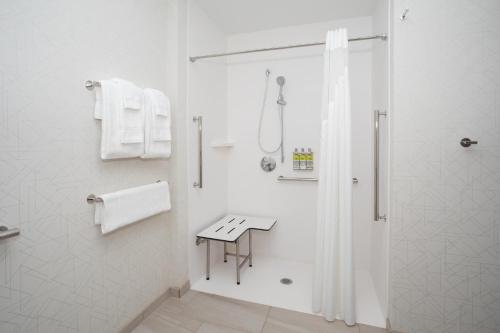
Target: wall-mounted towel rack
x: 90, y: 85
x: 309, y: 179
x: 92, y: 198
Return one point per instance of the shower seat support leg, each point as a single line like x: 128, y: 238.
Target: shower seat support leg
x: 250, y: 248
x: 237, y: 261
x: 208, y: 259
x: 225, y: 252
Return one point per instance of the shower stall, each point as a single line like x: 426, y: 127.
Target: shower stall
x: 226, y: 91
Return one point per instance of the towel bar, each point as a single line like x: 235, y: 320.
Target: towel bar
x: 90, y: 85
x: 92, y: 198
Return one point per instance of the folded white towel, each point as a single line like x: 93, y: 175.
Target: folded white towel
x: 132, y: 121
x: 158, y: 137
x: 119, y: 104
x: 124, y: 207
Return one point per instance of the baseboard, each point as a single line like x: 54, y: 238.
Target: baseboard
x: 389, y: 328
x: 171, y: 292
x: 179, y: 292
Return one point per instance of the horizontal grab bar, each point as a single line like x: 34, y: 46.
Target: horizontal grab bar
x: 309, y: 179
x: 299, y: 179
x: 8, y: 233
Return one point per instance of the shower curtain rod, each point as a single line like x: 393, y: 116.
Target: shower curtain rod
x: 216, y: 55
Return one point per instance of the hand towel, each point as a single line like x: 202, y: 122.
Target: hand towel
x: 124, y: 207
x: 132, y: 120
x: 157, y: 125
x: 119, y: 104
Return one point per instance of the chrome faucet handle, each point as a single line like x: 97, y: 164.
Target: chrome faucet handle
x: 466, y: 142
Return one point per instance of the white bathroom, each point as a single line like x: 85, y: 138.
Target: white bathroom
x: 250, y: 166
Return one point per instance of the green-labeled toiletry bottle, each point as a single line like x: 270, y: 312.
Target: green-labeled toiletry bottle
x: 296, y: 159
x: 309, y: 159
x: 302, y: 163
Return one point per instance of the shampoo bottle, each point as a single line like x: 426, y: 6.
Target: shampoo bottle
x: 296, y: 159
x: 310, y: 159
x: 302, y: 163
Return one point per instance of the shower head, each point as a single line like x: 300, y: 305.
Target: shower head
x: 280, y: 80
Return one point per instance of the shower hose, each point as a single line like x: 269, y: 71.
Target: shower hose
x: 262, y: 110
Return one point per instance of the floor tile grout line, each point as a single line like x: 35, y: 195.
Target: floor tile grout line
x: 265, y: 319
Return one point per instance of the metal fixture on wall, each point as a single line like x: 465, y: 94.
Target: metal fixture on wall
x: 267, y: 163
x: 404, y: 15
x: 199, y: 120
x: 309, y: 179
x: 5, y: 232
x: 466, y: 142
x: 280, y: 80
x: 376, y: 201
x: 90, y: 85
x: 216, y: 55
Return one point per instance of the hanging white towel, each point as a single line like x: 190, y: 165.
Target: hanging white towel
x: 120, y: 106
x: 333, y: 282
x: 132, y: 120
x: 158, y: 137
x: 124, y: 207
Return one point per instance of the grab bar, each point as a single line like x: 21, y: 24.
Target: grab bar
x: 199, y: 120
x: 299, y: 179
x: 309, y: 179
x: 376, y: 166
x: 5, y: 232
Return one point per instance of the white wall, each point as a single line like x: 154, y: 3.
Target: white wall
x: 380, y: 230
x: 207, y: 90
x: 61, y: 274
x: 253, y: 191
x: 445, y: 200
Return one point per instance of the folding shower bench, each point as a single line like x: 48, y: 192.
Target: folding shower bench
x: 230, y: 229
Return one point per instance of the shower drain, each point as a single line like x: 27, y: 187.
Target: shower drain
x: 286, y: 281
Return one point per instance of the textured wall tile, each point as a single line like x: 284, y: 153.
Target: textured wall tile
x: 445, y: 244
x: 61, y: 274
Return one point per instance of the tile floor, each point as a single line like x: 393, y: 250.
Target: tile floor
x: 204, y: 313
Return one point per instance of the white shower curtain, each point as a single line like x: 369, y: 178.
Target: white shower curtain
x: 333, y: 283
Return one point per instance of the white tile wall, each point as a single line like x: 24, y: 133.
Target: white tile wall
x: 445, y: 249
x: 61, y: 274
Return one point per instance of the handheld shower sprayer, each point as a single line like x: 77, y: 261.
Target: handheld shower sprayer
x: 281, y: 104
x: 281, y: 82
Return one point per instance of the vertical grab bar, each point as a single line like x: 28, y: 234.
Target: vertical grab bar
x: 199, y: 183
x: 376, y: 166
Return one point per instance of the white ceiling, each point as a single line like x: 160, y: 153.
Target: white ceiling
x: 236, y: 16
